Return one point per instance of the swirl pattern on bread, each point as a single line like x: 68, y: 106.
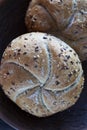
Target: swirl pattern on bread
x: 41, y: 74
x: 66, y: 19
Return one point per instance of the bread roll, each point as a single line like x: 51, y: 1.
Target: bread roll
x: 41, y: 74
x: 66, y: 19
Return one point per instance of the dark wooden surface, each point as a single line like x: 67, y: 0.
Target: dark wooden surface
x: 11, y: 25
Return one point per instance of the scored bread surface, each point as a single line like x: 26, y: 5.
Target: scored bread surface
x: 41, y: 74
x: 66, y: 19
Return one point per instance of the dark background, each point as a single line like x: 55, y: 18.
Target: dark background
x: 12, y: 15
x: 11, y: 25
x: 4, y: 126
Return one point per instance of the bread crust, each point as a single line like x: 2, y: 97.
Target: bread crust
x: 41, y: 74
x: 68, y: 19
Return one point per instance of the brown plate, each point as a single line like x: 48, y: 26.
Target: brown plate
x: 11, y: 25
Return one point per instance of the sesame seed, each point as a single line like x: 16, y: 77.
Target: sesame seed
x: 63, y: 102
x: 65, y: 67
x: 24, y: 53
x: 85, y: 47
x: 25, y: 46
x: 61, y: 50
x: 19, y: 50
x: 12, y: 89
x: 72, y: 62
x: 18, y: 53
x: 68, y: 56
x: 14, y: 54
x: 9, y: 55
x: 60, y: 54
x: 25, y: 38
x: 74, y: 72
x: 70, y: 50
x: 76, y: 97
x: 35, y: 57
x: 65, y: 60
x: 64, y: 48
x: 77, y: 62
x: 9, y: 45
x: 75, y: 32
x: 26, y: 64
x: 12, y: 83
x: 36, y: 49
x: 7, y: 73
x: 75, y: 54
x: 55, y: 103
x: 69, y: 75
x: 44, y: 37
x: 35, y: 66
x: 8, y: 92
x: 57, y: 82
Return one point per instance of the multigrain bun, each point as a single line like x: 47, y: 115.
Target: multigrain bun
x: 66, y: 19
x: 41, y: 74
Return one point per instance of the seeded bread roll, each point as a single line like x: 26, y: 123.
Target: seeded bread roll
x: 66, y: 19
x: 41, y: 74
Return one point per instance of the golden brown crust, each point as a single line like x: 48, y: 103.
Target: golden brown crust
x: 68, y: 18
x: 41, y: 74
x: 29, y: 53
x: 59, y: 101
x: 34, y: 24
